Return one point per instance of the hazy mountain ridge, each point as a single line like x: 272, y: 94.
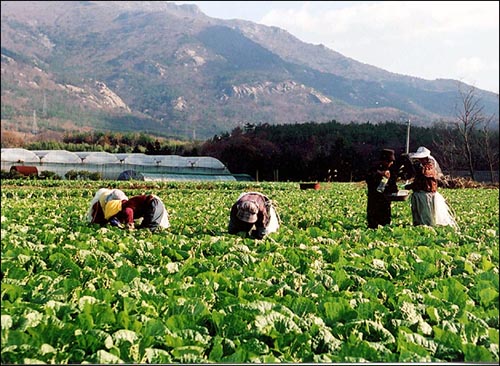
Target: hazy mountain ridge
x: 176, y: 71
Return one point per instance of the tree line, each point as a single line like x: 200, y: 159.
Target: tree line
x: 338, y: 152
x: 309, y: 151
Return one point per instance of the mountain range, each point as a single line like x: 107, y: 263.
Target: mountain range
x: 170, y: 70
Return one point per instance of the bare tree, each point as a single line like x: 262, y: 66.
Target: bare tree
x: 469, y: 117
x: 445, y: 138
x: 488, y: 151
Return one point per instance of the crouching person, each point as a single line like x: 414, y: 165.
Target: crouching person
x: 254, y: 214
x: 148, y: 207
x: 95, y: 213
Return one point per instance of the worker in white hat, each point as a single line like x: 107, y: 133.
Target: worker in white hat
x: 428, y: 206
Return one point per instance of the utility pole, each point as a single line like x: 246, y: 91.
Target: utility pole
x: 408, y: 138
x: 44, y: 111
x: 35, y: 126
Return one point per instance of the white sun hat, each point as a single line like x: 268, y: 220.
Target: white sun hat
x: 422, y: 152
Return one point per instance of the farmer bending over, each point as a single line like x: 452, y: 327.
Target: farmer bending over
x: 254, y: 214
x: 148, y: 207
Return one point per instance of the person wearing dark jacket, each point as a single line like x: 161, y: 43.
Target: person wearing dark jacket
x: 378, y: 210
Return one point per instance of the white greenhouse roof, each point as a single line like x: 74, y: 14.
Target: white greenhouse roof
x: 141, y: 159
x: 58, y: 156
x: 189, y: 161
x: 110, y: 164
x: 171, y: 160
x: 207, y: 162
x: 122, y: 156
x: 98, y: 157
x: 19, y: 155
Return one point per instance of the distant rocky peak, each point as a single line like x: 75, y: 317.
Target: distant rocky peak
x: 155, y: 6
x: 255, y: 90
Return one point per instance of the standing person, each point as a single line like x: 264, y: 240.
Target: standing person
x: 428, y: 206
x: 148, y: 207
x: 95, y: 213
x: 254, y: 214
x: 378, y: 210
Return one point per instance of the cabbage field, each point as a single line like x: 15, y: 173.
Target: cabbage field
x: 324, y: 288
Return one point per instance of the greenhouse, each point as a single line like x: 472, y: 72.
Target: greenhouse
x: 18, y: 156
x: 57, y: 156
x: 100, y: 157
x: 112, y: 166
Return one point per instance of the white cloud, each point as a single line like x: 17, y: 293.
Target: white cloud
x: 429, y: 39
x: 467, y: 68
x: 396, y: 19
x: 467, y: 65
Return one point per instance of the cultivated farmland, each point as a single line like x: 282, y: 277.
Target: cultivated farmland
x: 323, y: 289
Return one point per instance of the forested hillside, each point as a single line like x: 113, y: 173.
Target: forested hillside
x: 170, y: 70
x: 336, y: 152
x: 302, y: 152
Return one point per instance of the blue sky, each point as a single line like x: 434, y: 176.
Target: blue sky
x: 427, y: 39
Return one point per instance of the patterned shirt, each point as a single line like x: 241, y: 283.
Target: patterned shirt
x: 426, y: 177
